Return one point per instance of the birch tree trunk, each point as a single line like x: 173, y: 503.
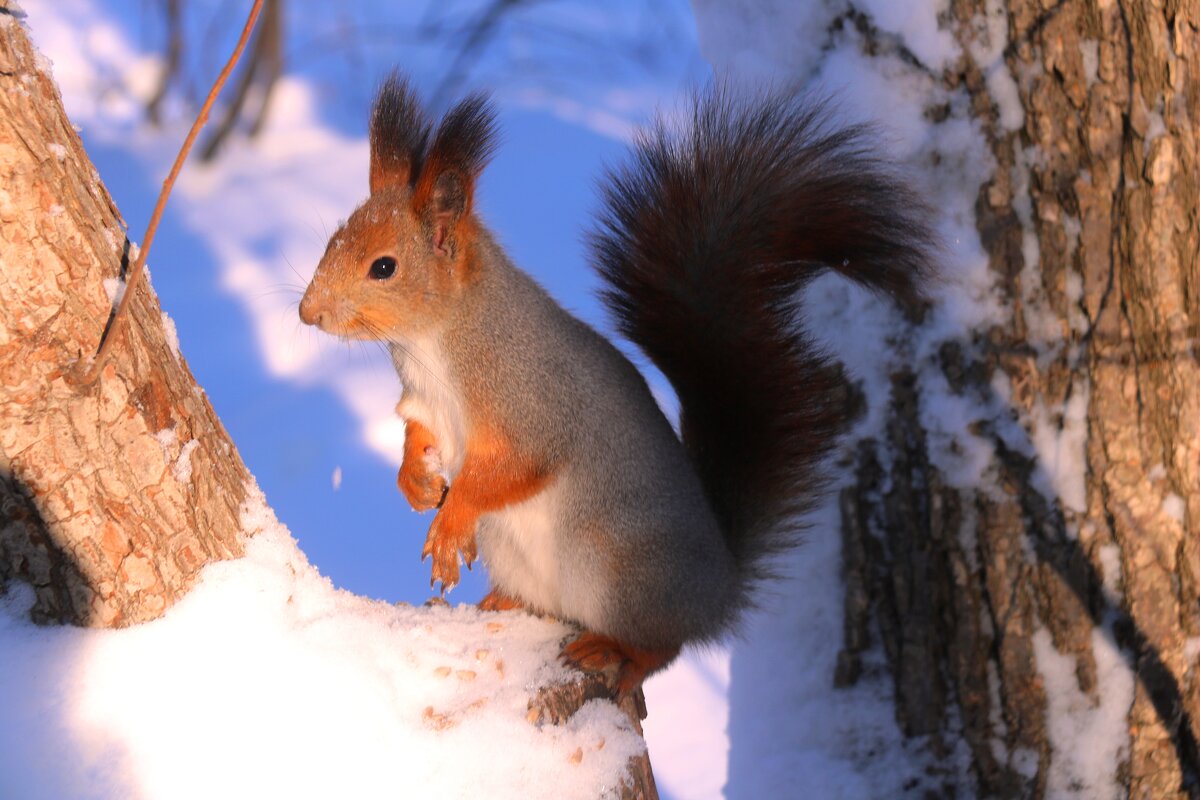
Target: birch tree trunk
x: 985, y: 597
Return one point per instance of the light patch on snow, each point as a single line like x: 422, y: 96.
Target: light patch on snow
x: 1003, y: 90
x: 1089, y: 52
x: 918, y: 25
x: 1110, y: 567
x: 336, y: 478
x: 792, y: 734
x: 999, y: 727
x: 172, y: 335
x: 1060, y: 440
x: 182, y: 468
x: 1089, y: 736
x: 1156, y: 126
x: 167, y: 439
x: 265, y: 681
x: 1174, y: 507
x: 685, y: 730
x: 991, y: 39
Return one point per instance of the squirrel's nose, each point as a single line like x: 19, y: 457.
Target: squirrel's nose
x: 312, y: 312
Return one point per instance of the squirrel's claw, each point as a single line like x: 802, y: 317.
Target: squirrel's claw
x: 447, y: 545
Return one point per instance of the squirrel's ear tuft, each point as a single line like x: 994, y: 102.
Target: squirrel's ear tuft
x: 462, y: 146
x: 399, y: 132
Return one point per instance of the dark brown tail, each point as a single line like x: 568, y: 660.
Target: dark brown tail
x: 705, y: 240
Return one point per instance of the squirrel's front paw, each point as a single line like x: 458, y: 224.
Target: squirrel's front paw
x: 421, y: 482
x: 446, y: 540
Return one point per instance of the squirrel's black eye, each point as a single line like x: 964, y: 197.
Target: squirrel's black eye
x: 383, y: 268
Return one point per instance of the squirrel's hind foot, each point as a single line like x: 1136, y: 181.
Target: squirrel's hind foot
x: 496, y: 600
x: 593, y: 652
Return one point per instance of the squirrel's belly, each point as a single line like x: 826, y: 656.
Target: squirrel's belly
x: 518, y: 544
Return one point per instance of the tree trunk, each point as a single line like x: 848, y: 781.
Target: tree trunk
x: 113, y: 495
x: 984, y: 594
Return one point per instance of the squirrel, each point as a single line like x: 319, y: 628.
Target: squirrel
x: 537, y: 441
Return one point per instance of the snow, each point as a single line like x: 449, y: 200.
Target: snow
x: 1174, y: 507
x: 115, y: 289
x: 686, y: 728
x: 1060, y: 439
x: 58, y: 151
x: 171, y: 333
x: 792, y: 733
x: 1089, y: 735
x: 1109, y: 556
x: 1089, y: 50
x: 336, y: 479
x: 266, y: 681
x: 182, y: 468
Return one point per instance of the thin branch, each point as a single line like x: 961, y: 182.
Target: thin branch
x: 265, y: 66
x: 139, y: 265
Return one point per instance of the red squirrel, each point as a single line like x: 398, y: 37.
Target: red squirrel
x: 537, y: 441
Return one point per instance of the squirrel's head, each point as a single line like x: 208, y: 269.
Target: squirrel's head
x: 397, y: 265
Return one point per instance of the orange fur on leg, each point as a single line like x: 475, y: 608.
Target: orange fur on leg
x: 492, y: 477
x: 422, y: 487
x: 593, y: 652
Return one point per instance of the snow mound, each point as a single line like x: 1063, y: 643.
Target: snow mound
x: 266, y: 681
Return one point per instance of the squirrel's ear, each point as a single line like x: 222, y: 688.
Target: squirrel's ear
x: 399, y: 131
x: 464, y: 142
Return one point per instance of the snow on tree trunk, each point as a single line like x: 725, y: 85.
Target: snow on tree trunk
x: 113, y: 495
x: 1052, y: 610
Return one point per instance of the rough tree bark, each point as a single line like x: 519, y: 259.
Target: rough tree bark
x: 113, y: 495
x: 1091, y: 226
x: 94, y: 510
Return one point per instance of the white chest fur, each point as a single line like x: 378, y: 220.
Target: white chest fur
x: 430, y: 397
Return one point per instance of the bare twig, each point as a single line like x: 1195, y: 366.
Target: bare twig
x: 263, y: 69
x: 139, y: 264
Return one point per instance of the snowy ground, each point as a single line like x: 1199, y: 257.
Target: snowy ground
x: 266, y: 681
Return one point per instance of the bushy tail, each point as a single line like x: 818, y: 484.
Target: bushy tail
x: 704, y: 241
